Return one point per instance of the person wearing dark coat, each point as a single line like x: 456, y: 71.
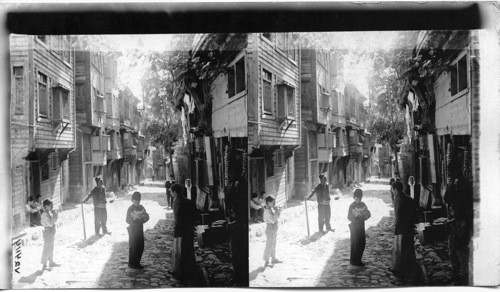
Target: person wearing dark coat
x: 404, y: 262
x: 136, y: 217
x: 358, y: 213
x: 183, y: 258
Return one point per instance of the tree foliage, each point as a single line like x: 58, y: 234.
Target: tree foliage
x: 159, y: 91
x: 386, y: 113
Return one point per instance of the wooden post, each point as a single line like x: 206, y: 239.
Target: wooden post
x: 83, y: 219
x: 307, y: 219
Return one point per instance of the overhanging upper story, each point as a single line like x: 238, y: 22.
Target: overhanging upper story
x: 43, y: 95
x: 274, y: 106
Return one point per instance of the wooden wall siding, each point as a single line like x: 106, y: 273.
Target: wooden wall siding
x: 83, y: 79
x: 252, y: 55
x: 309, y: 83
x: 282, y: 69
x: 57, y: 71
x: 229, y: 117
x: 321, y: 77
x: 76, y: 169
x: 475, y: 104
x: 290, y: 177
x: 276, y: 186
x: 51, y: 188
x: 19, y: 134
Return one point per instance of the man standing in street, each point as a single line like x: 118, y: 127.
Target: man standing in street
x: 98, y: 195
x: 323, y: 196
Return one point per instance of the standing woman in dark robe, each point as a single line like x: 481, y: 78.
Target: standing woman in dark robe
x: 183, y: 259
x: 404, y: 261
x: 358, y: 213
x: 136, y: 217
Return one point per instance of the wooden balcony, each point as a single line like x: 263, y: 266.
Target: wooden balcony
x: 339, y: 151
x: 114, y: 154
x: 140, y: 154
x: 354, y: 148
x: 325, y: 155
x: 99, y: 157
x: 132, y: 151
x: 112, y: 122
x: 125, y: 122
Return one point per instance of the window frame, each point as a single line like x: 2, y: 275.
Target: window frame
x: 232, y: 66
x: 18, y: 100
x: 56, y: 51
x: 263, y: 73
x: 280, y: 159
x: 43, y: 43
x: 454, y: 64
x: 324, y: 95
x: 66, y: 47
x: 47, y: 105
x: 281, y: 50
x: 282, y: 87
x: 271, y: 40
x: 58, y: 92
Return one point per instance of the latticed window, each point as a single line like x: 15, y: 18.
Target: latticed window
x: 18, y: 73
x: 286, y: 101
x: 459, y: 79
x: 267, y: 94
x: 236, y: 78
x: 43, y: 98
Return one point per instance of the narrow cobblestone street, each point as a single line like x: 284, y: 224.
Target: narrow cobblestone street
x: 323, y: 260
x: 102, y: 262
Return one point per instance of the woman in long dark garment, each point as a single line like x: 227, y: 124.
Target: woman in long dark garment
x: 358, y: 213
x: 404, y: 262
x: 183, y: 259
x: 136, y: 217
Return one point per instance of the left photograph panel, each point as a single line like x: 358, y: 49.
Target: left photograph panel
x: 128, y: 161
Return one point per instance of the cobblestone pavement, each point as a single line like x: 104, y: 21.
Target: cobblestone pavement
x: 101, y: 262
x: 323, y: 260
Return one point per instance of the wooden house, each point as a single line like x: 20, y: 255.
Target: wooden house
x: 129, y: 135
x: 340, y: 153
x: 42, y: 119
x: 314, y: 155
x: 112, y: 126
x: 272, y: 62
x: 89, y: 159
x: 355, y: 129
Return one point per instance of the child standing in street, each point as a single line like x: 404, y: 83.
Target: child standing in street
x: 358, y: 213
x: 48, y: 220
x: 271, y: 215
x: 136, y: 217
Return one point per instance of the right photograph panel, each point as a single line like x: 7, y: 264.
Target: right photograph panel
x: 360, y: 157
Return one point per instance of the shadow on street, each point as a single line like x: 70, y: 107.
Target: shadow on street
x: 313, y: 238
x: 155, y: 259
x: 31, y: 278
x: 253, y: 274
